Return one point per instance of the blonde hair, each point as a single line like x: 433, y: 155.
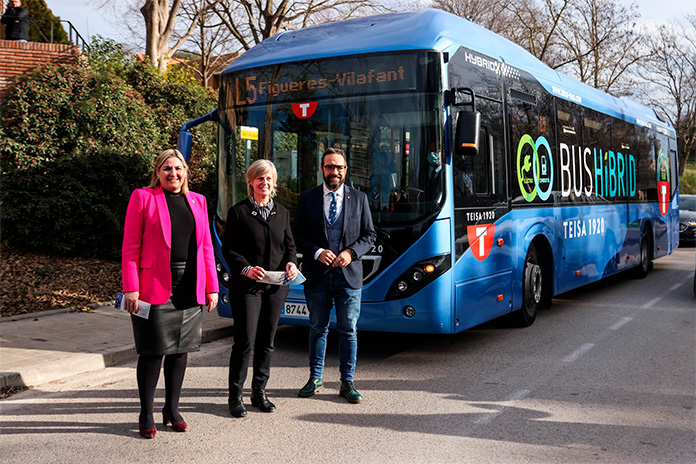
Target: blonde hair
x: 257, y: 169
x: 161, y: 159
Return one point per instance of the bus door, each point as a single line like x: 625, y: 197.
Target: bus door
x: 674, y: 185
x: 666, y: 188
x: 482, y: 235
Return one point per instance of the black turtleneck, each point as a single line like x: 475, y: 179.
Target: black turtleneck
x: 183, y: 227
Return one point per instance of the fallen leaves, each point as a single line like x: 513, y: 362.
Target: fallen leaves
x: 33, y: 282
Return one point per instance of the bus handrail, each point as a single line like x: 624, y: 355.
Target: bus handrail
x: 185, y: 140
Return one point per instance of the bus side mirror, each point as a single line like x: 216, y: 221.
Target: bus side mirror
x: 466, y: 138
x: 184, y: 144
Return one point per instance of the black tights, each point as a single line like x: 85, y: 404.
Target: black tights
x: 147, y: 373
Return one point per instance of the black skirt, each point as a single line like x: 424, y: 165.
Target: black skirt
x: 175, y: 326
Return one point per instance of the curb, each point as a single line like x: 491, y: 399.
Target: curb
x: 78, y: 363
x: 51, y: 312
x: 22, y: 317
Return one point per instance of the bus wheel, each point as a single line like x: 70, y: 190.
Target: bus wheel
x: 532, y: 289
x: 643, y: 268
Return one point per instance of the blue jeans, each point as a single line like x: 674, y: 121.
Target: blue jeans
x: 333, y: 289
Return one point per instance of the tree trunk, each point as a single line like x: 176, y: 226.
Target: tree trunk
x: 159, y: 24
x: 150, y: 14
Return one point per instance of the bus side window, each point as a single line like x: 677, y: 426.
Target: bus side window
x: 482, y: 165
x: 674, y: 168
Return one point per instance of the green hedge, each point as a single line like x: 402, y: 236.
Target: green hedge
x: 75, y: 140
x: 73, y: 205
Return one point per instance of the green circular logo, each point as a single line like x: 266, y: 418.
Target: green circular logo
x: 533, y: 170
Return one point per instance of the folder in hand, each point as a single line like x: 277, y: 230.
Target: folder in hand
x: 143, y: 307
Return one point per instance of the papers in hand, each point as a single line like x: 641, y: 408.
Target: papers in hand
x: 143, y: 307
x: 278, y: 278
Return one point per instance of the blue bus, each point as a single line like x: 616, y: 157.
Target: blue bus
x: 494, y: 181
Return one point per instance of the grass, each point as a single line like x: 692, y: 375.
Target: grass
x: 687, y: 182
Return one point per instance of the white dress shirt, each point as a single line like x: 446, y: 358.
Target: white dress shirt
x: 327, y: 205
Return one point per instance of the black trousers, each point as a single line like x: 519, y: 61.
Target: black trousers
x: 256, y: 314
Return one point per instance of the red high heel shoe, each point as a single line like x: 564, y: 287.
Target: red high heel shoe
x: 147, y: 433
x: 176, y: 426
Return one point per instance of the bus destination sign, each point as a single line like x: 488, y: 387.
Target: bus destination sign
x: 316, y: 79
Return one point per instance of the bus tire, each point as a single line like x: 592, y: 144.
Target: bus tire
x: 641, y: 271
x: 532, y: 289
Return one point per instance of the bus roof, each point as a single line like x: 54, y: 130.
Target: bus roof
x: 433, y: 30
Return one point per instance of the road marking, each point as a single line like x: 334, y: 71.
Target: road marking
x: 621, y: 323
x: 579, y: 352
x: 504, y: 405
x: 652, y: 302
x: 676, y: 286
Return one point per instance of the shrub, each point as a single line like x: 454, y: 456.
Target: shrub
x: 73, y: 205
x: 75, y: 140
x: 56, y: 111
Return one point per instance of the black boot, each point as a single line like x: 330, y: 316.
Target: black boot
x: 237, y: 408
x: 259, y: 400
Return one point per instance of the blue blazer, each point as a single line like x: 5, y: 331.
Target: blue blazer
x: 310, y: 233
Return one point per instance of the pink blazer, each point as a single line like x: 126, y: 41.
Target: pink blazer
x: 147, y: 247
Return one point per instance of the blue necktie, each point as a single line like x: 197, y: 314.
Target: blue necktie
x: 332, y: 209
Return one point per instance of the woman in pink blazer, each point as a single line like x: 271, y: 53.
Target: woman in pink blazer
x: 168, y: 261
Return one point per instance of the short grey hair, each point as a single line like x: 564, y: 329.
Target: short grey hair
x: 257, y: 169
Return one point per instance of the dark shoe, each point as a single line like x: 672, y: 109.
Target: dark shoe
x: 312, y: 386
x: 237, y: 408
x: 259, y: 400
x: 147, y: 433
x: 176, y: 426
x: 349, y: 392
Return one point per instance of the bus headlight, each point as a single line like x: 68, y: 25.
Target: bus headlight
x: 418, y: 276
x: 409, y: 311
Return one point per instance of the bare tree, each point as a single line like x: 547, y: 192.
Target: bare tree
x: 252, y: 21
x: 491, y: 14
x: 592, y: 40
x: 160, y: 18
x: 475, y: 10
x: 211, y: 42
x: 600, y: 44
x: 670, y: 77
x: 534, y: 25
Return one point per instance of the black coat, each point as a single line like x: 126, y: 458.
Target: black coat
x: 249, y: 240
x: 16, y: 30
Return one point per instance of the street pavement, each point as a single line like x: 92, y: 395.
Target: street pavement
x: 43, y: 347
x: 607, y: 375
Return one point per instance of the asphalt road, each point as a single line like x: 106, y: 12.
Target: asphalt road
x: 608, y: 375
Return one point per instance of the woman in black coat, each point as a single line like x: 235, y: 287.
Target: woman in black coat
x: 257, y: 239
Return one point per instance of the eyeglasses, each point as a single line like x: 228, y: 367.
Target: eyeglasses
x: 331, y: 167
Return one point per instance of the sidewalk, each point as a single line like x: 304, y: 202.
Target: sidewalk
x: 42, y: 347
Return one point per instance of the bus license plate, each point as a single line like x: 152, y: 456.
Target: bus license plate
x: 296, y: 310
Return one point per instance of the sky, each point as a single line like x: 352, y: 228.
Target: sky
x: 89, y: 20
x: 86, y: 17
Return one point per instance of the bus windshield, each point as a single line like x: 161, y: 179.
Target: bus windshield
x: 384, y: 111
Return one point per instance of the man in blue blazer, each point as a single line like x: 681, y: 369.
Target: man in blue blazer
x: 333, y: 229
